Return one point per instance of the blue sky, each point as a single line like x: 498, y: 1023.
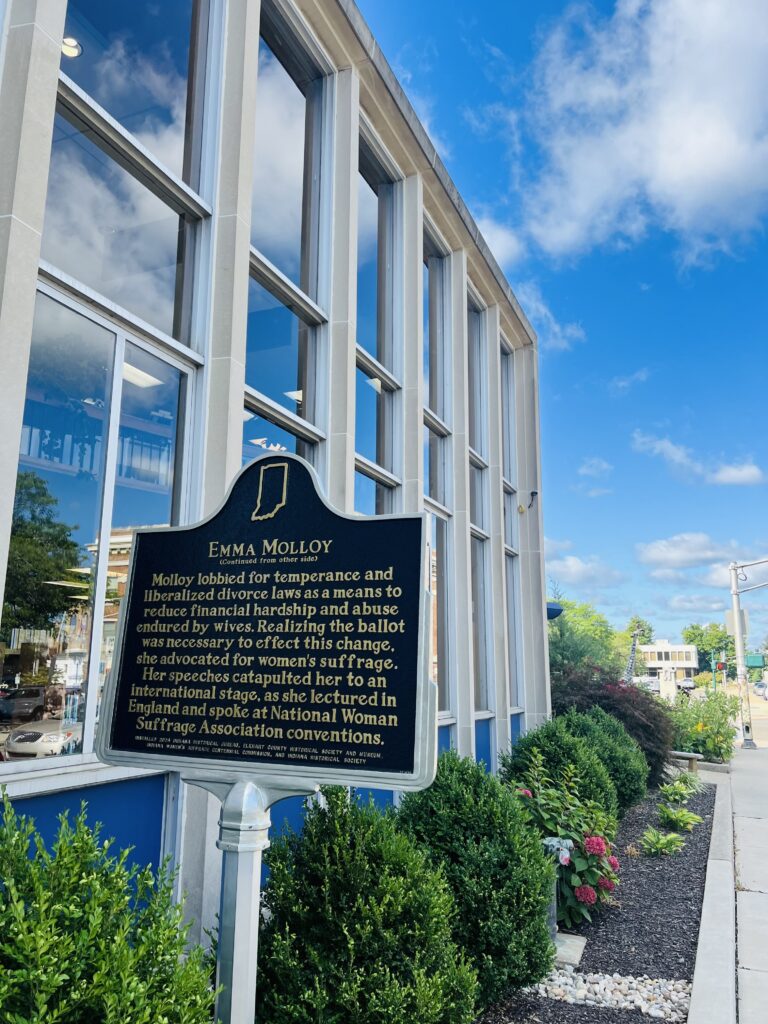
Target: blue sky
x: 616, y: 157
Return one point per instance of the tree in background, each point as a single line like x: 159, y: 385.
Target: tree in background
x: 643, y: 627
x: 709, y: 639
x: 41, y: 548
x: 582, y: 640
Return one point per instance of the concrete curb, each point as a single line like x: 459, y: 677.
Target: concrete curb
x: 713, y: 1000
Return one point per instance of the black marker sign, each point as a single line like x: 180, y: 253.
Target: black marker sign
x: 277, y: 635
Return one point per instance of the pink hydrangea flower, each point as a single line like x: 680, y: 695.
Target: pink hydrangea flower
x: 524, y: 792
x: 595, y: 845
x: 585, y: 894
x: 614, y: 862
x: 606, y: 883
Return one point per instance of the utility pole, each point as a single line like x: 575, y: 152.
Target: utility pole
x: 741, y: 664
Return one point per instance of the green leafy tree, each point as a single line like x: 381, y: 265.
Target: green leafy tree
x: 709, y: 639
x: 643, y: 626
x: 582, y: 639
x: 41, y: 548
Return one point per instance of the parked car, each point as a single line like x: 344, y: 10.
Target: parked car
x: 28, y: 702
x: 46, y: 739
x: 760, y: 688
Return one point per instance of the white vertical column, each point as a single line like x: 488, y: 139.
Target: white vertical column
x: 459, y: 612
x: 497, y: 654
x: 413, y: 335
x: 535, y: 654
x: 30, y: 52
x: 221, y: 327
x: 339, y: 469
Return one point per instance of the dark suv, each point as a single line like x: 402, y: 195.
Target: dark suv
x: 28, y: 702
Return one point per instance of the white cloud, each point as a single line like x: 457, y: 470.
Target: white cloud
x: 598, y: 492
x: 620, y: 385
x: 719, y: 575
x: 553, y: 548
x: 655, y: 116
x: 590, y: 571
x: 669, y: 575
x: 699, y: 603
x: 552, y: 334
x: 504, y: 243
x: 594, y: 466
x: 684, y: 551
x: 745, y: 473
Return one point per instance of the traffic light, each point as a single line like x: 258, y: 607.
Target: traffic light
x: 720, y: 666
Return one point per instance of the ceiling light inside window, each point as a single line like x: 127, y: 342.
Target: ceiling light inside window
x: 295, y: 396
x: 70, y: 47
x: 138, y: 377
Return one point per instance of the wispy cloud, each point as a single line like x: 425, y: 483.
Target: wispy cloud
x: 653, y: 116
x: 700, y: 604
x: 684, y: 551
x: 594, y: 466
x: 553, y: 334
x: 583, y: 572
x: 621, y: 385
x: 553, y: 548
x: 682, y: 459
x: 505, y: 244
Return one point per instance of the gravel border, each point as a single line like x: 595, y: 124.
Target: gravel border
x: 653, y: 929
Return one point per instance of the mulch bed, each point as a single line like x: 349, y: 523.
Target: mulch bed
x: 653, y: 930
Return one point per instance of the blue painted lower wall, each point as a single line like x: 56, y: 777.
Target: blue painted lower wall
x: 483, y: 748
x: 131, y: 812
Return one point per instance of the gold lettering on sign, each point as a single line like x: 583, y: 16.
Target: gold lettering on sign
x: 266, y: 505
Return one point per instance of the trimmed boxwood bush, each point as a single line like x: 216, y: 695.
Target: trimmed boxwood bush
x: 643, y: 715
x: 559, y: 748
x: 86, y: 938
x: 474, y: 829
x: 623, y: 759
x: 359, y: 926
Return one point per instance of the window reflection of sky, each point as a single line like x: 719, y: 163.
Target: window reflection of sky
x: 108, y: 231
x: 260, y: 436
x: 134, y: 63
x: 367, y: 267
x: 278, y: 166
x: 368, y: 395
x: 273, y: 350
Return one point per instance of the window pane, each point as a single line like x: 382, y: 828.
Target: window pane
x: 261, y: 436
x: 477, y: 500
x: 479, y: 623
x: 434, y: 465
x: 280, y: 188
x: 367, y: 267
x: 516, y: 696
x: 372, y: 402
x: 508, y: 416
x: 47, y: 611
x: 133, y: 59
x: 510, y: 519
x: 438, y: 537
x: 371, y: 497
x: 434, y: 385
x: 108, y: 231
x: 146, y: 480
x: 426, y: 337
x: 476, y: 389
x: 277, y: 351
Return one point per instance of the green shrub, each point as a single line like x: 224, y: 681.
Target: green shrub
x: 360, y: 926
x: 647, y: 719
x: 623, y: 759
x: 577, y: 834
x: 473, y: 827
x: 559, y: 748
x: 660, y: 844
x: 706, y: 725
x: 678, y: 818
x: 675, y: 792
x: 85, y: 938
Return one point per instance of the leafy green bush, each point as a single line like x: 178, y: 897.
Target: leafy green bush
x: 675, y: 792
x: 657, y: 844
x: 623, y: 759
x: 473, y: 827
x: 678, y: 818
x: 706, y: 725
x: 85, y: 938
x: 577, y: 832
x: 647, y: 719
x: 359, y: 926
x: 560, y: 748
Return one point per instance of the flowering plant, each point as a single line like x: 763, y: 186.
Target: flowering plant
x: 576, y: 834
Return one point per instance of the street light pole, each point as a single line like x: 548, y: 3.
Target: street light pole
x: 741, y: 663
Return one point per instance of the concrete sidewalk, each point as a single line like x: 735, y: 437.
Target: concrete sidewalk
x: 749, y: 792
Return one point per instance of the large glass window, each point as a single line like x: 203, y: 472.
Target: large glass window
x: 138, y: 60
x: 64, y: 581
x: 373, y: 402
x: 107, y: 230
x: 433, y: 358
x: 439, y: 641
x: 480, y: 613
x: 277, y: 350
x: 477, y: 389
x: 286, y: 170
x: 374, y: 262
x: 512, y: 566
x: 371, y: 498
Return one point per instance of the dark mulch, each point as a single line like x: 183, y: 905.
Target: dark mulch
x: 653, y: 929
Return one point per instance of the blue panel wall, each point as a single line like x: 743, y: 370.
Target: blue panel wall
x: 130, y: 811
x: 516, y: 727
x: 382, y: 798
x: 444, y: 738
x: 483, y: 750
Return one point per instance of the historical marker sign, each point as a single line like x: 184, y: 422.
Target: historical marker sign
x: 278, y: 639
